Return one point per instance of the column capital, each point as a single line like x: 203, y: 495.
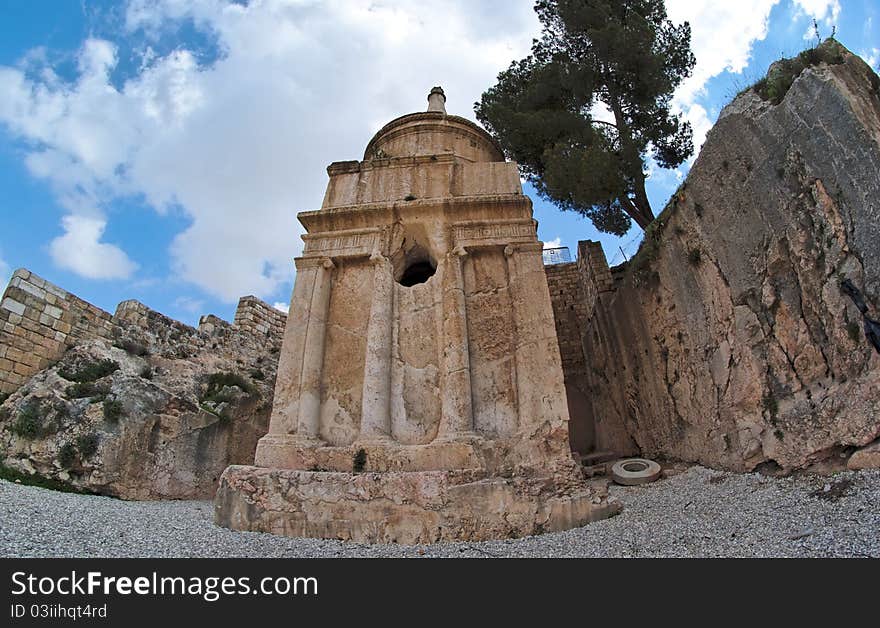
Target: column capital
x: 313, y: 262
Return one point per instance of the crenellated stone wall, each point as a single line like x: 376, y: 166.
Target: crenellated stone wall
x: 39, y: 321
x: 260, y: 318
x: 177, y: 407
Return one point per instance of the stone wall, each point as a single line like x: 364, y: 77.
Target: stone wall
x: 574, y: 292
x: 259, y: 318
x: 570, y: 311
x: 38, y: 322
x: 179, y: 405
x: 727, y: 340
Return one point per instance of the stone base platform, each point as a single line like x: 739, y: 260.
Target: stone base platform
x: 402, y: 506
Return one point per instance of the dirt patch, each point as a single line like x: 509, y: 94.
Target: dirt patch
x: 832, y: 491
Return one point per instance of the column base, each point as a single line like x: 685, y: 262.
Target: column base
x: 288, y: 452
x: 402, y: 507
x: 459, y: 437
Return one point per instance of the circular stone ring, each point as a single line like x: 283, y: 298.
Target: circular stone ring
x: 632, y: 471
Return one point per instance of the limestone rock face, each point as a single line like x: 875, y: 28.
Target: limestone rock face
x: 155, y: 413
x: 728, y: 340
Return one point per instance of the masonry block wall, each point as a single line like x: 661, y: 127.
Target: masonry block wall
x: 259, y: 317
x: 39, y: 321
x: 575, y: 290
x: 569, y: 311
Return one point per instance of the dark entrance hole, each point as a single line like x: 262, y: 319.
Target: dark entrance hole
x: 418, y: 272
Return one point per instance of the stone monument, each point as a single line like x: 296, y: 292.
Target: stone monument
x: 419, y: 394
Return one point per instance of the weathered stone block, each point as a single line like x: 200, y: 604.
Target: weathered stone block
x: 400, y: 507
x: 16, y: 307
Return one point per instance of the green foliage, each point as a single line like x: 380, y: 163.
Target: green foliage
x: 3, y: 397
x: 783, y: 73
x: 132, y: 347
x: 29, y: 423
x: 67, y: 456
x: 620, y: 55
x: 258, y: 375
x: 90, y: 372
x: 218, y: 381
x: 11, y: 475
x: 80, y: 390
x: 87, y: 444
x: 695, y: 257
x: 223, y: 416
x: 113, y: 410
x: 359, y: 461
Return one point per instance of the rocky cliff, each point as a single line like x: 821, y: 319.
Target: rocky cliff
x: 728, y: 340
x: 150, y: 409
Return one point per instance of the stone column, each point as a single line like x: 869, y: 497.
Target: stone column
x: 457, y: 418
x: 309, y: 415
x: 376, y: 400
x: 517, y: 299
x: 285, y: 404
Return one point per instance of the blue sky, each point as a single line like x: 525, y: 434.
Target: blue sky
x: 160, y: 150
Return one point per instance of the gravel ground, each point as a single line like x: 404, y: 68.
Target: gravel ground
x: 699, y: 512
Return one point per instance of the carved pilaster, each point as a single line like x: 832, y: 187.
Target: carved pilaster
x: 376, y: 401
x: 457, y: 418
x: 309, y: 415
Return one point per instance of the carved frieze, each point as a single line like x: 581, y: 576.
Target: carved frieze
x: 491, y: 233
x: 343, y: 243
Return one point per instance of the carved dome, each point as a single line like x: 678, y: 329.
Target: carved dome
x: 431, y: 133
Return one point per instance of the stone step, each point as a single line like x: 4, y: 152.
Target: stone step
x: 598, y: 457
x: 596, y: 470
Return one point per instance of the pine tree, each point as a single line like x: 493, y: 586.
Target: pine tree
x: 623, y: 56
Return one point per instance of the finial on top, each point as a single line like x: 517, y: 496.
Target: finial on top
x: 437, y: 100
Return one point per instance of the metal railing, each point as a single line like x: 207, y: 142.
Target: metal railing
x: 557, y: 255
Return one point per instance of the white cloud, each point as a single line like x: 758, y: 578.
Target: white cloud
x: 5, y: 273
x: 828, y: 10
x: 282, y: 307
x: 825, y: 11
x: 555, y: 243
x: 242, y: 145
x: 872, y: 57
x: 190, y: 305
x: 722, y: 36
x: 701, y: 124
x: 80, y: 249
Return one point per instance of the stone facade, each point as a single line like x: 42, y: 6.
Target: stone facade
x: 421, y: 350
x: 727, y: 340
